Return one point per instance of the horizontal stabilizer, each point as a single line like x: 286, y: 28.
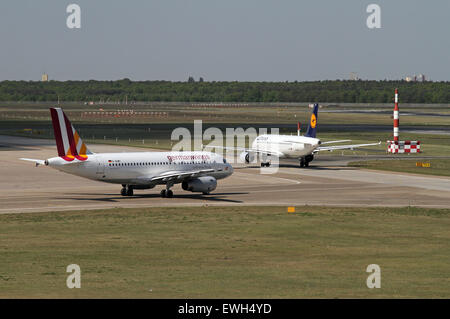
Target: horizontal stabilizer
x: 36, y: 161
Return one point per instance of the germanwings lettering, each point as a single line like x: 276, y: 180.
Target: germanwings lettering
x: 187, y: 157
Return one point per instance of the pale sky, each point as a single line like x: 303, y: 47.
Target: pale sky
x: 224, y: 40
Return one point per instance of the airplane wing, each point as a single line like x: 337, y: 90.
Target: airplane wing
x: 343, y: 147
x: 250, y: 150
x: 174, y: 176
x: 36, y: 161
x: 332, y: 142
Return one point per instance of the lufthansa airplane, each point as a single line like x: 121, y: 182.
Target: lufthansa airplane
x: 196, y: 171
x: 288, y: 146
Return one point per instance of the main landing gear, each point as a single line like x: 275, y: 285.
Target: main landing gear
x: 167, y: 192
x: 127, y: 190
x: 304, y: 161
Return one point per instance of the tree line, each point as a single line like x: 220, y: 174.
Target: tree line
x: 338, y: 91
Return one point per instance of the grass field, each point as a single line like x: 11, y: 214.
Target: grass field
x: 228, y: 252
x: 282, y: 114
x: 437, y: 166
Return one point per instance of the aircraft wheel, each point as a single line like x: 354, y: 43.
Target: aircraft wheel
x: 169, y: 193
x: 205, y: 193
x: 130, y: 191
x: 163, y: 193
x: 123, y: 192
x: 306, y: 164
x: 302, y: 163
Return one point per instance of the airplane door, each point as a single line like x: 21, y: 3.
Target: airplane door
x: 262, y: 144
x: 100, y: 168
x: 297, y: 149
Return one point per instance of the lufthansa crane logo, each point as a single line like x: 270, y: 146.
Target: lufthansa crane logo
x: 313, y: 120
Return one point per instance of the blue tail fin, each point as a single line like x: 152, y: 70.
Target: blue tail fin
x: 312, y: 127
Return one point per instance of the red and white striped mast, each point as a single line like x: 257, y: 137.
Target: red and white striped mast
x: 396, y: 119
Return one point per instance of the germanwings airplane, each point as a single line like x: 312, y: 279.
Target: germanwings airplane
x: 288, y: 146
x: 196, y: 171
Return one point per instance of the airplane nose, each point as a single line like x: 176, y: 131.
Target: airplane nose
x: 317, y: 144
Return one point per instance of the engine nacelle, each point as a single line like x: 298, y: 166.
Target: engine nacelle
x: 247, y: 157
x: 204, y: 184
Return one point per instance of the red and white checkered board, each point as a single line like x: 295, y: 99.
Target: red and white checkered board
x: 403, y: 146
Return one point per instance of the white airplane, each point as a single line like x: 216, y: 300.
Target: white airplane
x: 288, y: 146
x: 196, y: 171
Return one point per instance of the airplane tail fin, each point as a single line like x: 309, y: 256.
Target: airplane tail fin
x: 312, y: 127
x: 68, y: 142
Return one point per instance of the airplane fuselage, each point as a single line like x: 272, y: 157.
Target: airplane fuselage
x: 290, y: 146
x: 137, y: 168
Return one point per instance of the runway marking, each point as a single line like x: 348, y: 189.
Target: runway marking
x: 267, y: 176
x: 37, y: 190
x: 442, y: 184
x: 338, y: 187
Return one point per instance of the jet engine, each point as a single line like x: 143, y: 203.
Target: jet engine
x: 204, y: 184
x: 247, y: 157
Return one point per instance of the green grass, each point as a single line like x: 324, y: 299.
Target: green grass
x: 437, y: 166
x: 282, y: 114
x: 431, y: 144
x: 227, y: 252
